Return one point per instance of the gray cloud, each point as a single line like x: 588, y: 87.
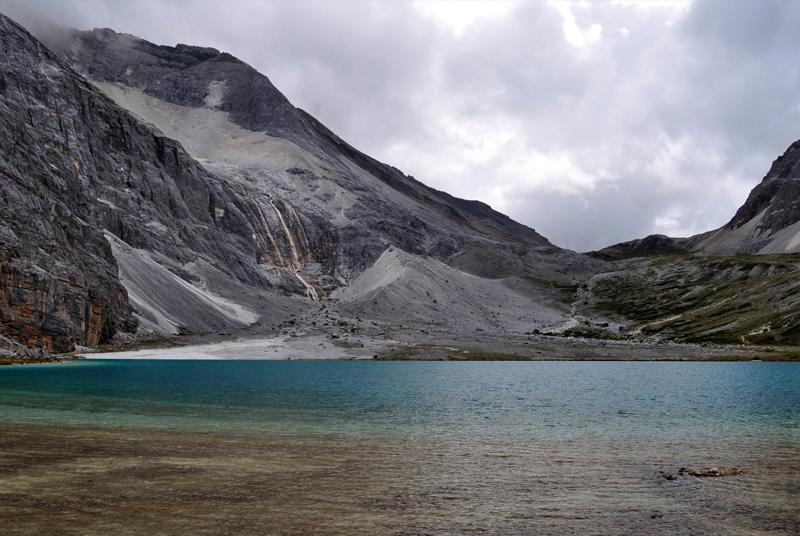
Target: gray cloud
x: 594, y: 125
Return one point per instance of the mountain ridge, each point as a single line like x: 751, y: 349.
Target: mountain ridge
x: 769, y: 220
x: 287, y: 210
x: 262, y: 109
x: 767, y: 223
x: 156, y: 191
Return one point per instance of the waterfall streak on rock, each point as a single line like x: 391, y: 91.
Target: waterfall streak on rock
x: 301, y: 230
x: 279, y: 258
x: 310, y: 290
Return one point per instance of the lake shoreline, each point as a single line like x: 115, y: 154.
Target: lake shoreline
x: 412, y: 345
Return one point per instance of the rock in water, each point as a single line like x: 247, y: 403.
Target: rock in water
x: 709, y: 471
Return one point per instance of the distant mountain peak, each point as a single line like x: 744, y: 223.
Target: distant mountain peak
x: 778, y: 194
x: 769, y: 220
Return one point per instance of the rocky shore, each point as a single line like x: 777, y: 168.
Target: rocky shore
x: 407, y: 343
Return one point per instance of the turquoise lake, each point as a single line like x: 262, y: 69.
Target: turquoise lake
x: 373, y: 447
x: 438, y: 399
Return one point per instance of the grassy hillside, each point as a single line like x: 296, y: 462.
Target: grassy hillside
x: 751, y: 299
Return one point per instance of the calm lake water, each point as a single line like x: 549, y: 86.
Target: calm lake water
x: 437, y: 399
x: 579, y: 444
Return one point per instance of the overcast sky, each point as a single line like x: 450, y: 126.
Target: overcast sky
x: 592, y: 122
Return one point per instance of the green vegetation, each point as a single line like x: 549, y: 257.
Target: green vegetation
x: 566, y: 292
x: 25, y: 361
x: 750, y: 299
x: 588, y: 332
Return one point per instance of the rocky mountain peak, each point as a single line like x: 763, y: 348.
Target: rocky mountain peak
x: 767, y: 223
x: 777, y: 196
x: 787, y: 165
x: 187, y: 75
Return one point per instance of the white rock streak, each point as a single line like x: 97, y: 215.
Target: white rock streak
x: 311, y: 292
x: 269, y: 233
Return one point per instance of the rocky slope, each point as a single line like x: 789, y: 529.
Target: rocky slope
x: 75, y: 165
x: 698, y: 298
x: 737, y: 284
x: 159, y: 190
x: 769, y: 221
x: 250, y: 125
x: 176, y: 190
x: 323, y: 211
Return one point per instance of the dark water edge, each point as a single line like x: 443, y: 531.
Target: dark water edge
x: 398, y: 448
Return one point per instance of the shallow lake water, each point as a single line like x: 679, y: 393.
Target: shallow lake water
x: 339, y: 447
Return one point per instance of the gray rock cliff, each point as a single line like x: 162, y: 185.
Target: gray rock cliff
x: 73, y: 165
x: 58, y: 277
x: 169, y: 188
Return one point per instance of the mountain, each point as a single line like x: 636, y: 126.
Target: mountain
x: 236, y: 122
x: 163, y: 190
x: 153, y: 191
x: 736, y: 284
x: 769, y: 221
x: 78, y: 170
x: 649, y: 246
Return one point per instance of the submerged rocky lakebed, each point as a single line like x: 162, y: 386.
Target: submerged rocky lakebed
x: 340, y: 447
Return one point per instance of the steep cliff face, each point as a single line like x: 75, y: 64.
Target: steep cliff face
x: 769, y: 221
x: 58, y: 277
x: 73, y: 164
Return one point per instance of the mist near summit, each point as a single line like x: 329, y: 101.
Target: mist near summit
x: 593, y: 122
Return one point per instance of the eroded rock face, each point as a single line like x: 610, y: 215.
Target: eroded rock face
x: 778, y: 194
x: 72, y: 165
x: 44, y: 311
x: 350, y: 206
x: 183, y: 74
x: 58, y: 283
